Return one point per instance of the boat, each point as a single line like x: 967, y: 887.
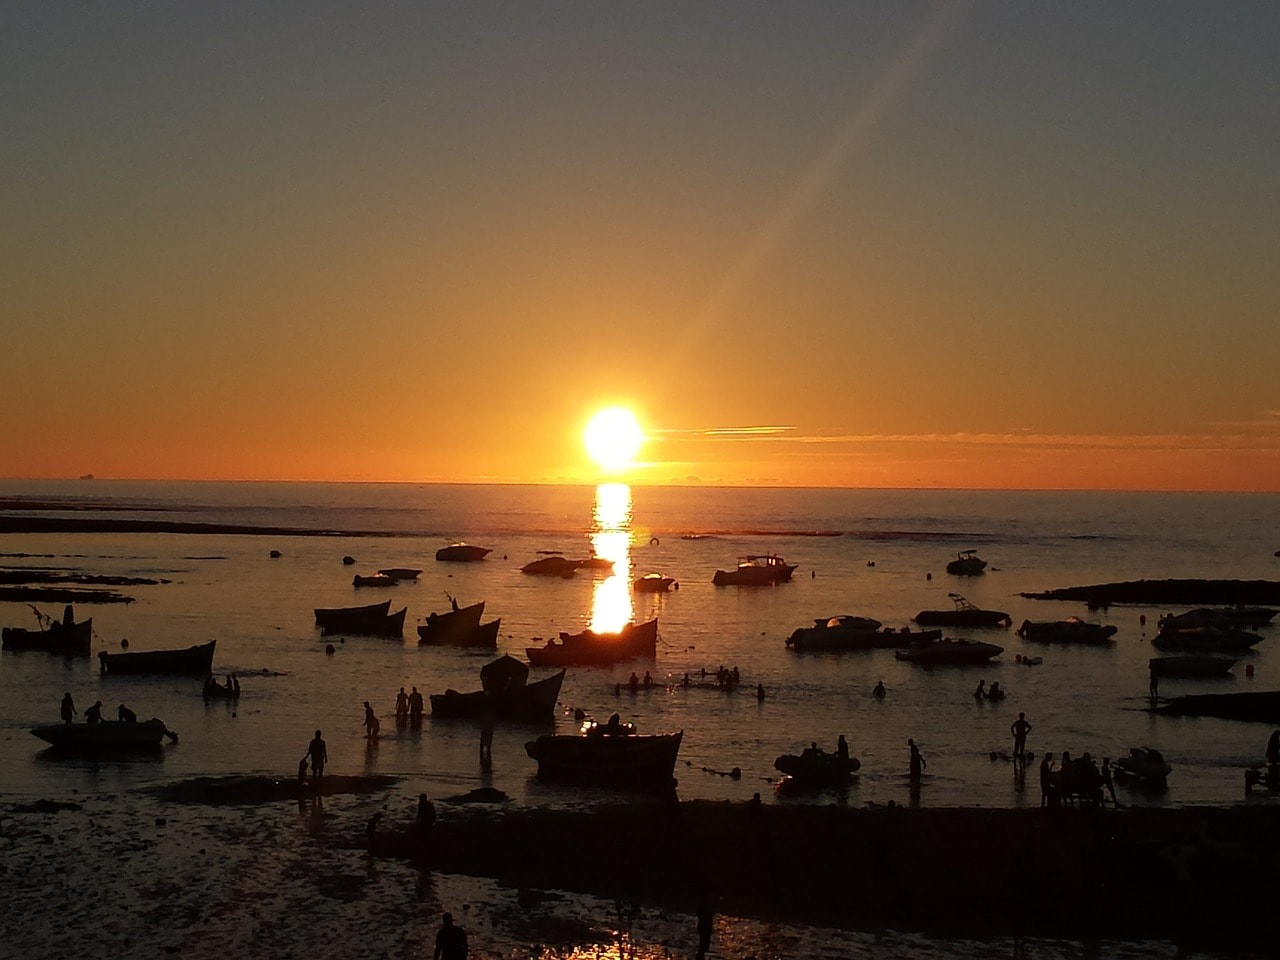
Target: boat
x: 611, y: 754
x: 814, y: 767
x: 400, y: 573
x: 1224, y: 617
x: 1191, y: 665
x: 107, y: 735
x: 373, y: 580
x: 1070, y: 630
x: 462, y: 553
x: 336, y: 616
x: 1261, y: 706
x: 755, y: 570
x: 505, y: 694
x: 551, y: 567
x: 965, y: 614
x: 65, y: 636
x: 949, y: 651
x: 966, y: 564
x: 1206, y: 639
x: 454, y: 628
x: 590, y: 649
x: 1144, y: 763
x: 652, y: 583
x: 194, y: 660
x: 855, y: 633
x: 596, y: 565
x: 372, y: 625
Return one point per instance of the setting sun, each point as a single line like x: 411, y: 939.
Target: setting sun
x: 613, y: 438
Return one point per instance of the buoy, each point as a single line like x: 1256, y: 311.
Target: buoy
x: 928, y: 576
x: 653, y: 541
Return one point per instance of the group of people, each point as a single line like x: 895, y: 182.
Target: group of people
x: 93, y: 714
x: 988, y: 693
x: 212, y: 688
x: 409, y: 705
x: 1076, y: 779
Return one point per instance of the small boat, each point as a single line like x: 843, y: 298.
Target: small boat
x: 462, y: 553
x: 1206, y: 639
x: 590, y: 649
x: 336, y: 616
x: 965, y: 614
x: 213, y: 690
x: 755, y: 570
x: 551, y: 567
x: 1144, y: 763
x: 1070, y: 630
x: 1191, y: 665
x: 505, y: 694
x: 371, y: 625
x: 105, y: 736
x: 65, y: 636
x: 596, y: 565
x: 947, y: 651
x: 966, y: 564
x: 652, y: 583
x: 814, y: 767
x: 193, y: 660
x: 611, y: 754
x: 454, y: 628
x: 1223, y: 617
x: 855, y: 633
x: 373, y: 580
x: 400, y: 573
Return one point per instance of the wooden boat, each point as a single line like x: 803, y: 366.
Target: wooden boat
x: 965, y: 614
x: 966, y: 564
x: 373, y: 580
x: 1206, y: 639
x: 65, y: 636
x: 551, y: 567
x: 505, y: 694
x: 814, y: 767
x: 1070, y: 630
x: 194, y: 660
x: 107, y: 735
x: 400, y: 573
x: 462, y: 553
x: 1258, y: 707
x: 336, y: 616
x: 454, y: 628
x: 372, y: 625
x: 1191, y: 665
x: 652, y: 583
x: 588, y: 648
x: 1144, y: 763
x: 213, y: 690
x: 1237, y: 617
x: 948, y: 651
x: 855, y: 633
x: 610, y: 755
x: 755, y: 570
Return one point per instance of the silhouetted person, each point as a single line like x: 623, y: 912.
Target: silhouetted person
x: 371, y: 828
x: 125, y: 715
x: 878, y: 690
x: 981, y: 692
x: 1273, y: 748
x: 705, y: 918
x: 1107, y: 782
x: 415, y: 704
x: 402, y: 704
x: 68, y: 708
x: 759, y: 689
x: 94, y: 713
x: 1047, y: 795
x: 1153, y: 686
x: 1020, y: 728
x: 302, y: 771
x: 648, y: 679
x: 371, y: 725
x: 426, y: 818
x: 916, y: 763
x: 451, y: 941
x: 319, y: 755
x: 842, y: 748
x: 486, y: 740
x: 995, y: 693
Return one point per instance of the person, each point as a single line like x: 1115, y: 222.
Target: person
x: 371, y: 827
x: 842, y: 748
x: 995, y: 693
x: 1273, y: 748
x: 705, y: 918
x: 1047, y: 797
x: 648, y: 679
x: 415, y: 704
x: 68, y: 708
x: 319, y: 755
x: 734, y: 676
x: 371, y: 724
x: 94, y: 713
x: 1153, y: 686
x: 125, y: 715
x: 426, y: 815
x: 917, y: 761
x: 981, y: 692
x: 402, y: 704
x: 1107, y: 782
x: 302, y: 770
x: 451, y: 941
x: 486, y: 739
x: 633, y: 681
x: 233, y: 685
x: 759, y: 691
x: 1020, y: 728
x: 878, y: 690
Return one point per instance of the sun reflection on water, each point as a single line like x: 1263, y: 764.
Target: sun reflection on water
x: 611, y: 539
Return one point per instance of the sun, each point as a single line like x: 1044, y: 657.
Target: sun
x: 613, y: 438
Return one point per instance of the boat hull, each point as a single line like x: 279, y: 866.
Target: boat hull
x: 951, y: 652
x: 817, y: 770
x: 73, y: 641
x: 462, y: 553
x: 336, y: 617
x: 590, y: 649
x: 627, y: 761
x: 373, y: 625
x: 835, y: 639
x: 108, y: 735
x: 455, y: 628
x: 1067, y: 631
x: 197, y: 660
x: 531, y: 703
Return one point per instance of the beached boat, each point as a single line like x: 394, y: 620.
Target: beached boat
x: 966, y: 564
x: 197, y: 660
x: 1261, y: 706
x: 107, y: 735
x: 855, y: 633
x: 1206, y: 639
x: 814, y: 767
x: 949, y: 651
x: 652, y: 583
x: 551, y: 567
x: 610, y: 755
x: 372, y: 625
x: 965, y: 614
x: 400, y: 573
x: 505, y: 694
x: 337, y: 616
x: 1231, y: 618
x: 64, y: 637
x: 454, y: 628
x: 1191, y: 665
x: 588, y: 648
x: 462, y: 553
x: 1144, y: 763
x: 755, y: 570
x: 1070, y: 630
x: 373, y: 580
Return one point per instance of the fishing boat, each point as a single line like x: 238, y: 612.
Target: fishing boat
x: 373, y: 580
x: 337, y: 616
x: 652, y: 583
x: 814, y: 767
x: 1144, y: 763
x: 1191, y: 665
x: 462, y: 553
x: 611, y: 754
x: 454, y: 628
x: 551, y: 567
x: 400, y: 573
x: 1070, y: 630
x: 65, y: 636
x: 505, y: 694
x: 965, y: 614
x: 755, y: 570
x: 196, y: 660
x: 105, y: 736
x: 966, y: 564
x: 855, y: 633
x: 953, y: 652
x: 589, y: 649
x: 1206, y: 639
x: 374, y: 625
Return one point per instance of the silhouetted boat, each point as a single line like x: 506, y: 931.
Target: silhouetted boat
x: 455, y: 628
x: 652, y: 583
x: 1191, y: 665
x: 64, y: 637
x: 1229, y: 618
x: 1258, y: 707
x: 596, y: 564
x: 1144, y: 763
x: 948, y: 651
x: 814, y: 767
x: 337, y: 616
x: 855, y: 633
x: 370, y: 625
x: 1206, y: 639
x: 373, y: 580
x: 107, y: 735
x: 400, y: 573
x: 505, y: 694
x: 609, y: 755
x: 588, y: 648
x: 462, y: 553
x: 1070, y: 630
x: 755, y: 570
x: 966, y: 564
x: 551, y: 567
x: 194, y: 660
x: 965, y: 614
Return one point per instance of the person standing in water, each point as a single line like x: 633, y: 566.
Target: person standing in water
x: 917, y: 763
x: 68, y: 708
x: 371, y: 725
x: 1020, y: 728
x: 319, y: 755
x: 451, y: 941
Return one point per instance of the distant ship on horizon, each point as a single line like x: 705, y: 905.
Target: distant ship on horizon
x: 86, y: 476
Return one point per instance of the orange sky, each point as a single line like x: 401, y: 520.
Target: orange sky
x: 951, y: 245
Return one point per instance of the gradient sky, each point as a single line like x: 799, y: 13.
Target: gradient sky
x: 884, y: 244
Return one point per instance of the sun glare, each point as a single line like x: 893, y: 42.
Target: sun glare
x: 613, y: 438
